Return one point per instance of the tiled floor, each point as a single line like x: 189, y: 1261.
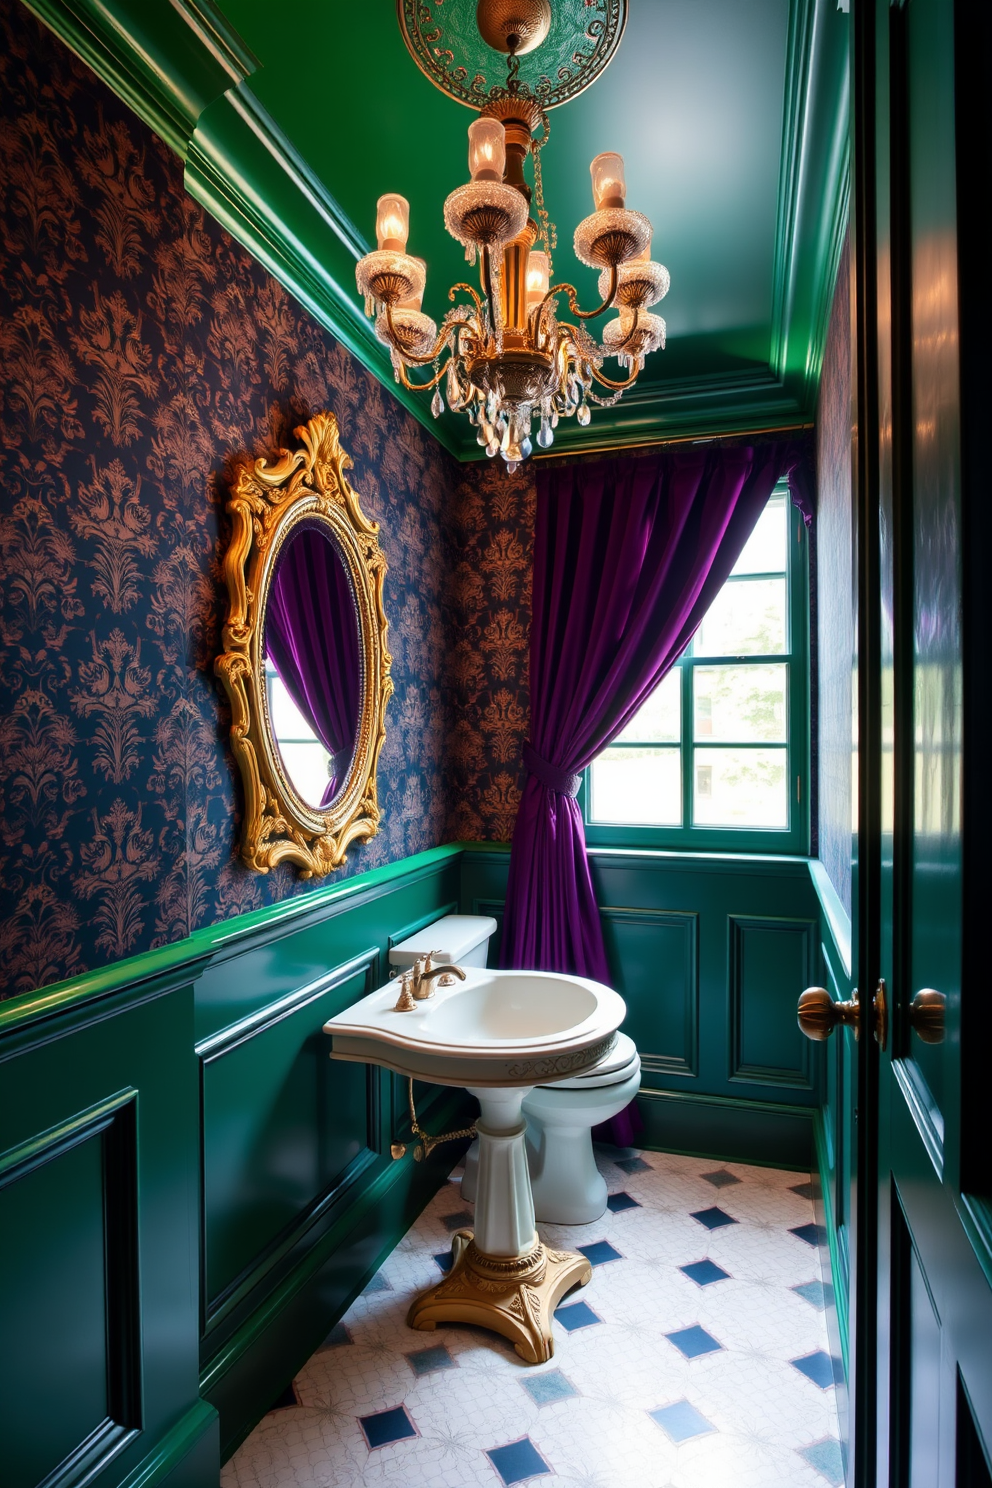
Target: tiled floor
x: 697, y: 1357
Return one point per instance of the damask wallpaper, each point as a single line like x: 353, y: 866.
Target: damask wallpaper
x: 140, y: 350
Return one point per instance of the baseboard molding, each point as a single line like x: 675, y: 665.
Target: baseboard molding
x: 722, y: 1129
x: 833, y: 1262
x: 258, y: 1361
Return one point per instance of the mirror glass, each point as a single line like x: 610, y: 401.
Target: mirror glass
x: 313, y: 664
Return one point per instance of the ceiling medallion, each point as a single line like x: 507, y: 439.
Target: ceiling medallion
x: 454, y: 44
x: 510, y: 359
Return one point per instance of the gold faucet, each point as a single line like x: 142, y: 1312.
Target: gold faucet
x: 416, y: 984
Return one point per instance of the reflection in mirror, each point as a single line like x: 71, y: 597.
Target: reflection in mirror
x: 313, y: 665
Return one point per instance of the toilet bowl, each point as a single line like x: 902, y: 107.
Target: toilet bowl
x: 568, y: 1187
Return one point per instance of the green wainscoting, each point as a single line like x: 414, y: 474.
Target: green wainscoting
x: 192, y: 1193
x: 711, y: 952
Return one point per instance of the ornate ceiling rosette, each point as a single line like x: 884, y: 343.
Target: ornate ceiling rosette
x: 562, y: 48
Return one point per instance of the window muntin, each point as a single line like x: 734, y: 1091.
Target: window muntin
x: 716, y: 757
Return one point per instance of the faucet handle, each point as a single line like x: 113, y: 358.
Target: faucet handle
x: 405, y: 1003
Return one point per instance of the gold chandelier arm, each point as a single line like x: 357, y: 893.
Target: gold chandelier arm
x: 444, y: 337
x: 470, y: 291
x: 421, y: 387
x: 573, y: 303
x: 616, y: 386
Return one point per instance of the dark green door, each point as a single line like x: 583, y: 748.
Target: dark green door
x: 923, y: 1342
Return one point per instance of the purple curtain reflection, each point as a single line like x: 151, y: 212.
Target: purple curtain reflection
x: 311, y: 637
x: 629, y: 555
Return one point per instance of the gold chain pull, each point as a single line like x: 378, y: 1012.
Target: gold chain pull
x: 427, y: 1143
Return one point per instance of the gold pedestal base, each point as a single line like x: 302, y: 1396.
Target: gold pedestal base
x: 512, y: 1296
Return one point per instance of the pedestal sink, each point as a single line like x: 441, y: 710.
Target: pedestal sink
x: 497, y: 1034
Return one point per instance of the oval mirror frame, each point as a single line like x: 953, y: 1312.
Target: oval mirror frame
x: 268, y: 501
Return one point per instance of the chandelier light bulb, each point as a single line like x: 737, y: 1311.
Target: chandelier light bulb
x: 609, y: 189
x: 538, y: 277
x: 392, y: 222
x: 486, y: 150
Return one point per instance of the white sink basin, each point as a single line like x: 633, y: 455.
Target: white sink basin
x: 497, y: 1028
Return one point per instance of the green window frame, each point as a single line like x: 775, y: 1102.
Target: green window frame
x: 795, y: 837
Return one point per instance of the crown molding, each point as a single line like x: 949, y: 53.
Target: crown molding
x: 187, y: 73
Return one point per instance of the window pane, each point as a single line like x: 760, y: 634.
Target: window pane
x: 637, y: 785
x: 306, y: 766
x: 765, y: 549
x: 287, y: 720
x: 659, y: 720
x: 743, y: 704
x: 747, y: 618
x: 740, y: 788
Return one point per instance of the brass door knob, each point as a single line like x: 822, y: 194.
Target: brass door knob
x: 926, y: 1015
x: 819, y: 1015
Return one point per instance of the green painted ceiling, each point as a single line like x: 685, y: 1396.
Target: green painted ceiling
x: 731, y: 116
x: 693, y: 101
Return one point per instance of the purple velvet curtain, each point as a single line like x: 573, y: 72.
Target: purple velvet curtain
x: 311, y: 637
x: 629, y: 554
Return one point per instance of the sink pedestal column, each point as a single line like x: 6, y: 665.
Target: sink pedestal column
x: 502, y: 1277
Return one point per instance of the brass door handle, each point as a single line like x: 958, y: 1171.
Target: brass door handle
x: 926, y: 1015
x: 819, y: 1015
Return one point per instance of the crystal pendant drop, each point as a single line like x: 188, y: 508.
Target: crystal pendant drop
x: 583, y: 414
x: 545, y: 435
x: 525, y: 448
x: 437, y: 404
x: 511, y: 466
x: 492, y: 448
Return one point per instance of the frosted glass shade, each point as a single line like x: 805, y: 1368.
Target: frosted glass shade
x: 538, y: 277
x: 609, y: 189
x: 392, y: 221
x: 486, y: 150
x: 414, y: 301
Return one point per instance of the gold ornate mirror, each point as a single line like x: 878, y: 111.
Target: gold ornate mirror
x: 305, y: 663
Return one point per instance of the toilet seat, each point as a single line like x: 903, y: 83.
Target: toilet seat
x: 612, y: 1069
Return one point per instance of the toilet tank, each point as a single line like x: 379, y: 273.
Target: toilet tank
x: 461, y: 939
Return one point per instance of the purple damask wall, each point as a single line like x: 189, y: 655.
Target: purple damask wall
x: 835, y: 612
x: 140, y: 349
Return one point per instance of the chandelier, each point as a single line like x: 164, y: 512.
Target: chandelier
x: 512, y: 359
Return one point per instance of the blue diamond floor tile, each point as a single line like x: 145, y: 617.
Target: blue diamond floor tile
x: 575, y: 1315
x: 338, y: 1335
x: 463, y: 1220
x: 818, y: 1367
x: 599, y: 1253
x: 704, y: 1273
x: 545, y: 1389
x: 681, y: 1421
x: 518, y: 1461
x: 387, y: 1426
x: 618, y: 1202
x: 693, y: 1342
x: 426, y: 1360
x: 720, y: 1179
x: 377, y: 1284
x: 812, y: 1292
x: 813, y: 1234
x: 633, y: 1165
x: 713, y: 1218
x: 443, y: 1259
x: 804, y: 1190
x: 828, y: 1459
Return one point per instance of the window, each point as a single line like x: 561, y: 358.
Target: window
x: 718, y: 755
x: 304, y: 757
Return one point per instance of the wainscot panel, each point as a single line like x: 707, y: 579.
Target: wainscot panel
x: 178, y: 1246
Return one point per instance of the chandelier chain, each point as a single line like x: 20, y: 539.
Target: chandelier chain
x: 548, y: 231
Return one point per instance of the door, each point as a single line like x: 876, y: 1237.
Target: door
x: 922, y: 1391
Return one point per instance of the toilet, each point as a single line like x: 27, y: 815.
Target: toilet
x: 460, y: 939
x: 568, y: 1187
